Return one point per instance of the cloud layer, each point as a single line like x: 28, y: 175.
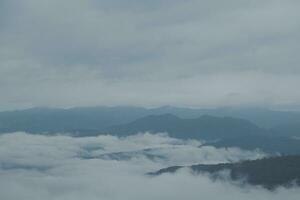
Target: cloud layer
x: 196, y: 53
x: 60, y: 167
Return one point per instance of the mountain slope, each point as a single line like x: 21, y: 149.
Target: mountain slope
x: 89, y: 120
x: 268, y: 144
x: 205, y: 127
x: 291, y: 129
x: 219, y: 131
x: 268, y: 172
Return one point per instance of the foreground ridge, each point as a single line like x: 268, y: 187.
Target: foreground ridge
x: 267, y: 172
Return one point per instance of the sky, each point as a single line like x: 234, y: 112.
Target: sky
x: 66, y: 168
x: 66, y: 53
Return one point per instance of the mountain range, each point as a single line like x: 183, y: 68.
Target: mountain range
x: 271, y: 131
x: 93, y: 119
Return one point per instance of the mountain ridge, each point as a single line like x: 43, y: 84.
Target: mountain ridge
x: 203, y: 127
x: 269, y: 172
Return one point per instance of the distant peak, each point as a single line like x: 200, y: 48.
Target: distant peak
x: 162, y: 116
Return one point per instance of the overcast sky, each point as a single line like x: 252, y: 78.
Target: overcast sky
x: 64, y: 53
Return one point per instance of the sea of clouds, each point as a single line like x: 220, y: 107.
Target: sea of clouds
x: 36, y: 167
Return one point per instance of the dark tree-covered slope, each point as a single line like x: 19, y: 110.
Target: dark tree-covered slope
x: 268, y: 172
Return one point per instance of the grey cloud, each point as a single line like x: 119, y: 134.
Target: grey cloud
x: 90, y: 52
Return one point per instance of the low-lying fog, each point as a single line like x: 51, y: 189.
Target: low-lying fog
x: 39, y: 167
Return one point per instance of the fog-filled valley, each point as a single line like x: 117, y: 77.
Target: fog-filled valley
x: 109, y: 167
x: 138, y: 153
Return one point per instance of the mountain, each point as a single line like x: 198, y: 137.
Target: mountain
x: 90, y: 120
x: 268, y: 172
x: 262, y: 117
x: 266, y: 143
x: 204, y: 127
x: 217, y: 131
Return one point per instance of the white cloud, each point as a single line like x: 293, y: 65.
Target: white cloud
x: 57, y: 167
